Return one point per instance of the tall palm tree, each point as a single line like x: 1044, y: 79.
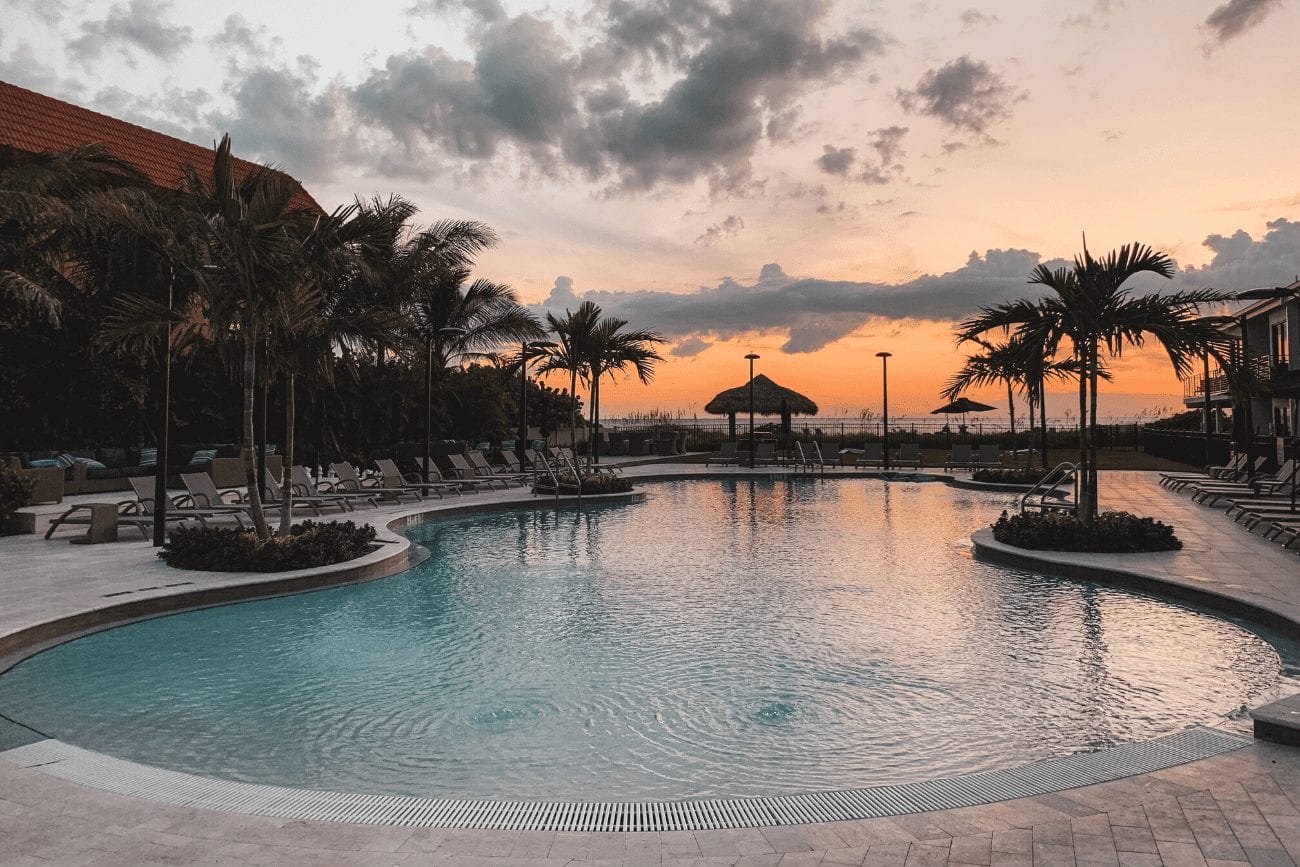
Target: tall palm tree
x: 444, y: 316
x: 998, y: 363
x: 613, y: 349
x: 1091, y: 309
x: 574, y: 336
x: 252, y: 244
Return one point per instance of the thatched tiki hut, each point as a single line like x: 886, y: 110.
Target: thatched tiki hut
x: 769, y: 399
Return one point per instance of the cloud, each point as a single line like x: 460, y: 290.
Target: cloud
x: 813, y: 312
x: 1241, y: 262
x: 139, y: 25
x: 728, y: 75
x: 837, y: 161
x: 485, y: 11
x: 972, y: 18
x: 965, y: 94
x: 49, y: 11
x: 1236, y: 17
x: 689, y: 348
x: 887, y: 145
x: 238, y: 36
x: 728, y: 228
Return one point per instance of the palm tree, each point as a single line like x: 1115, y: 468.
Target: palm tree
x: 252, y: 241
x: 574, y: 335
x: 611, y: 350
x: 1093, y: 311
x: 443, y: 316
x: 998, y: 363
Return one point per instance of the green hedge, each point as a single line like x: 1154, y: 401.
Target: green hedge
x: 309, y: 544
x: 592, y: 484
x: 1109, y: 533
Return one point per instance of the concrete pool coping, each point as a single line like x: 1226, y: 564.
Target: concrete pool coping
x: 405, y: 515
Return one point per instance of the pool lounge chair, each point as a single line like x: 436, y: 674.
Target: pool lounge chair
x: 483, y: 468
x: 990, y: 456
x: 1210, y: 492
x: 350, y: 481
x: 873, y: 455
x: 303, y: 486
x: 726, y: 454
x: 764, y: 453
x: 184, y: 504
x: 1234, y: 470
x: 395, y: 478
x: 466, y: 473
x: 959, y: 458
x: 274, y: 495
x: 1285, y: 533
x: 463, y: 486
x: 128, y: 515
x: 909, y: 455
x: 202, y: 492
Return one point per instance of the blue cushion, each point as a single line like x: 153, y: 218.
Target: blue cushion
x: 43, y: 463
x: 148, y: 457
x: 270, y: 449
x: 91, y: 463
x: 203, y: 456
x: 64, y: 460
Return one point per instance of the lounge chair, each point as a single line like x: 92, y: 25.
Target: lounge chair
x: 394, y: 478
x: 128, y: 515
x: 990, y: 456
x: 275, y: 495
x: 350, y: 481
x: 873, y: 455
x: 726, y: 454
x: 1283, y: 532
x: 764, y: 453
x: 1209, y: 492
x: 466, y: 473
x: 469, y: 485
x: 483, y: 468
x: 304, y: 487
x: 1229, y: 472
x: 202, y: 492
x: 909, y: 455
x: 184, y: 504
x: 959, y: 458
x: 1251, y: 517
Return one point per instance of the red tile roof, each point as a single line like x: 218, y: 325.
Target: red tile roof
x: 33, y: 122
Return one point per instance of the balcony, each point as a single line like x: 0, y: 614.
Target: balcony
x: 1265, y: 368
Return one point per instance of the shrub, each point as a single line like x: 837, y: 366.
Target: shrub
x: 1010, y: 476
x: 591, y: 484
x: 1110, y: 533
x: 223, y: 549
x: 15, y: 492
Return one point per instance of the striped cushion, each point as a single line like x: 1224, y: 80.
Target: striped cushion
x: 44, y: 463
x: 91, y: 463
x: 64, y: 460
x: 203, y: 456
x: 148, y: 457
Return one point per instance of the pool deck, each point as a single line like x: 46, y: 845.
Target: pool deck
x: 1241, y: 807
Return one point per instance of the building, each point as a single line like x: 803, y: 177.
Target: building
x: 34, y: 123
x: 1271, y: 326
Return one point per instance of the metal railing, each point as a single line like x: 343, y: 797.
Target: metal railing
x: 1049, y: 498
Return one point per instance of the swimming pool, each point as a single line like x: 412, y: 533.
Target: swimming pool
x: 736, y: 638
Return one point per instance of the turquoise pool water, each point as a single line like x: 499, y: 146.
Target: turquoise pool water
x: 721, y: 638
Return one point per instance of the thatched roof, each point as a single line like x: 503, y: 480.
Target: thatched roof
x: 767, y: 400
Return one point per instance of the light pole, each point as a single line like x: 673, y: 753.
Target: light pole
x: 524, y: 351
x: 752, y: 358
x: 884, y: 375
x: 160, y: 502
x: 442, y: 334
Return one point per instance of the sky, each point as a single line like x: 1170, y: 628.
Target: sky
x: 809, y: 180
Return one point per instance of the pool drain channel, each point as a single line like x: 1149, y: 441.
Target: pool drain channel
x: 110, y: 774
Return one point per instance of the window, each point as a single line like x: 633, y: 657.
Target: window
x: 1277, y: 343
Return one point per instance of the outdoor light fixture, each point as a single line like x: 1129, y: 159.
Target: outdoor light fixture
x: 752, y: 358
x: 884, y: 375
x: 442, y: 334
x: 537, y: 347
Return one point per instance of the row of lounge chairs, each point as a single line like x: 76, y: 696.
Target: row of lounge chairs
x: 871, y: 455
x: 345, y: 490
x: 1248, y: 496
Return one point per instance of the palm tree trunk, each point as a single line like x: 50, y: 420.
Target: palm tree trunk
x: 1092, y: 431
x: 1042, y: 418
x: 1081, y: 507
x: 249, y: 456
x: 1011, y: 402
x: 286, y: 477
x: 595, y: 417
x: 573, y: 410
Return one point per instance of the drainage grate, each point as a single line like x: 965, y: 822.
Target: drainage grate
x: 172, y: 787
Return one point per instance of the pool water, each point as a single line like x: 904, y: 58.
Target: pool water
x: 737, y: 638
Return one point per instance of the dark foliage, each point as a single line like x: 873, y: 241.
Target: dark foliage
x: 1010, y: 475
x: 15, y: 492
x: 591, y: 484
x: 1110, y: 533
x: 309, y: 544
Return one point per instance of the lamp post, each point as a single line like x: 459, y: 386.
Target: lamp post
x: 752, y: 358
x: 1207, y: 414
x: 525, y: 351
x: 884, y: 375
x: 160, y: 501
x: 442, y: 334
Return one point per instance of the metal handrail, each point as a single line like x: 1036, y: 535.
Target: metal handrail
x: 1046, y: 487
x: 577, y: 477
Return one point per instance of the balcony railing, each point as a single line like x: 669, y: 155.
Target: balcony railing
x: 1265, y: 368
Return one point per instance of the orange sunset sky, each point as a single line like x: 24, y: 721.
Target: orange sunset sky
x: 810, y: 180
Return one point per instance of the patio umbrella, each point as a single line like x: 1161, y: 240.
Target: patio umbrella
x: 961, y: 406
x: 769, y: 399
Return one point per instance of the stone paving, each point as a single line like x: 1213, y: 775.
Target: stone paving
x: 1238, y: 808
